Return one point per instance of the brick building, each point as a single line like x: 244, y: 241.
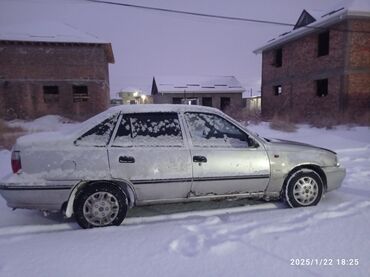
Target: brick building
x: 52, y: 68
x: 219, y: 92
x: 321, y: 68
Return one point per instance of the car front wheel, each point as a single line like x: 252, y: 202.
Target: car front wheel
x: 303, y: 189
x: 100, y: 205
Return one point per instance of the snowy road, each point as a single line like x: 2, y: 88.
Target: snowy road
x: 229, y: 238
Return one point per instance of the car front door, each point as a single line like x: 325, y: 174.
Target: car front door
x: 226, y: 160
x: 149, y: 150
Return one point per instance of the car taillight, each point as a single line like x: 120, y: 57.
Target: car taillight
x: 16, y: 161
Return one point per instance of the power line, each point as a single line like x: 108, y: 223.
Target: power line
x: 243, y: 19
x: 194, y: 13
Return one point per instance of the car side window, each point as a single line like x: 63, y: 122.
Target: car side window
x: 98, y: 135
x: 149, y: 129
x: 210, y: 130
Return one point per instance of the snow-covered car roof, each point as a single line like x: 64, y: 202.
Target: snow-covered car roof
x: 140, y: 108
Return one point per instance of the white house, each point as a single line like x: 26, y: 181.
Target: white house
x: 212, y: 91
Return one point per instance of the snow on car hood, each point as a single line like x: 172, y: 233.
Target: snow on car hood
x: 295, y: 143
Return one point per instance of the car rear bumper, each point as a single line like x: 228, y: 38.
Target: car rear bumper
x: 41, y: 196
x: 334, y: 177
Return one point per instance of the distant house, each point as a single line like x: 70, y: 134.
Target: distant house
x: 253, y: 103
x: 321, y: 68
x: 52, y: 68
x: 116, y: 101
x: 134, y: 96
x: 220, y: 92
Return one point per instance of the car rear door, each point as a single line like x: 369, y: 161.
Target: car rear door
x: 85, y: 159
x: 225, y: 159
x: 150, y: 151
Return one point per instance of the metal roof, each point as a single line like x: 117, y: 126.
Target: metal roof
x: 51, y: 32
x: 198, y: 84
x: 349, y: 8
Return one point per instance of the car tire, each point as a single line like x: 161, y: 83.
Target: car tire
x: 100, y: 205
x: 303, y: 188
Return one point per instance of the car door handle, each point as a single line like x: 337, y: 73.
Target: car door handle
x: 199, y: 159
x: 126, y: 159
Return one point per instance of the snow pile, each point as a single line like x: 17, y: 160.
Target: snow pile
x: 45, y: 123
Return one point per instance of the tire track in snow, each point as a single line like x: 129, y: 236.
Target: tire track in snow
x: 221, y: 238
x: 357, y: 163
x: 132, y: 221
x: 34, y: 229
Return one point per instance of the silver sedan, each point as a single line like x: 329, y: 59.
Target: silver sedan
x: 147, y: 154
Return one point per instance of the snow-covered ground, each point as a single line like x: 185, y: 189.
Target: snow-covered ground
x: 229, y: 238
x: 45, y: 123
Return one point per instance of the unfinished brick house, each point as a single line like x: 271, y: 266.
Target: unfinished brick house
x: 52, y: 69
x: 214, y: 91
x: 321, y: 68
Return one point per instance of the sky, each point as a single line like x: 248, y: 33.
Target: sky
x: 150, y: 43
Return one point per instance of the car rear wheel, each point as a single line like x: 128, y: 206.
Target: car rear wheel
x: 100, y: 205
x: 303, y: 189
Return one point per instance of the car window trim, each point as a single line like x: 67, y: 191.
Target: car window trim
x: 115, y: 130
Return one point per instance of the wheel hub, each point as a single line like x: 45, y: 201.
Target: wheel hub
x: 101, y: 208
x: 305, y: 191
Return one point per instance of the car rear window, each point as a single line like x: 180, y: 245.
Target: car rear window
x: 98, y: 135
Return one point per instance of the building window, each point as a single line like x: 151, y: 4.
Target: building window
x: 186, y: 101
x: 51, y: 94
x: 176, y: 100
x: 278, y: 57
x: 225, y: 102
x: 322, y: 87
x: 80, y: 94
x: 191, y: 101
x: 207, y: 101
x: 278, y: 90
x: 323, y: 44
